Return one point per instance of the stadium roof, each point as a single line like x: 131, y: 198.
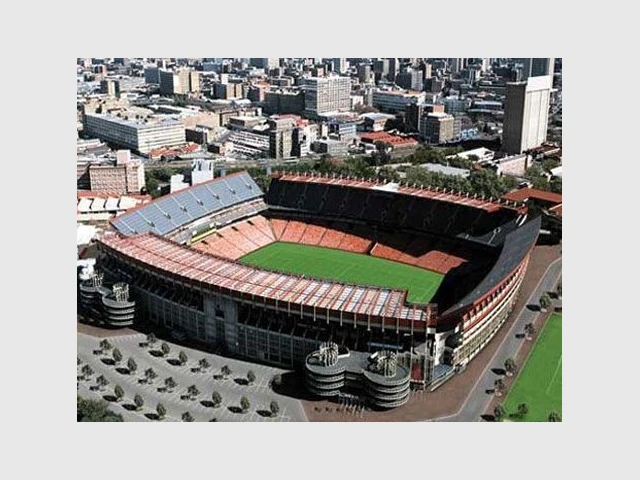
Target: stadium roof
x: 490, y: 205
x: 516, y: 246
x: 232, y: 278
x: 171, y: 212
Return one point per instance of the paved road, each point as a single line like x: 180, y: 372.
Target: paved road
x: 478, y: 400
x: 259, y: 393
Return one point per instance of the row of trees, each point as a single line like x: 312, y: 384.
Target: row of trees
x: 499, y: 413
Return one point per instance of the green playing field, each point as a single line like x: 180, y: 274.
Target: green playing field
x: 539, y: 384
x: 330, y: 264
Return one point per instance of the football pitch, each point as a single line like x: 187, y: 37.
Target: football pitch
x: 348, y: 267
x: 539, y: 384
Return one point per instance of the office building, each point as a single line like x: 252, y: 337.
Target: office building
x: 410, y: 79
x: 415, y: 112
x: 364, y: 73
x: 437, y: 127
x: 536, y: 67
x: 280, y: 137
x: 327, y: 94
x: 139, y: 137
x: 266, y: 63
x: 110, y: 87
x: 123, y: 176
x: 395, y: 101
x: 525, y: 114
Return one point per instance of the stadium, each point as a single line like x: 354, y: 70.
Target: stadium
x: 361, y: 284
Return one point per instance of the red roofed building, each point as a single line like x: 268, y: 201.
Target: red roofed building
x: 393, y: 140
x: 544, y: 199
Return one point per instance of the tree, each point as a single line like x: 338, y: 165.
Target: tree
x: 186, y: 417
x: 523, y: 409
x: 117, y: 355
x: 545, y: 302
x: 498, y: 386
x: 161, y: 411
x: 182, y: 357
x: 216, y: 398
x: 226, y: 371
x: 244, y: 404
x: 276, y: 381
x: 275, y: 408
x: 132, y: 366
x: 529, y: 330
x: 139, y: 401
x: 165, y: 349
x: 498, y: 413
x: 170, y: 383
x: 102, y: 382
x: 95, y: 411
x: 151, y: 338
x: 87, y: 371
x: 105, y: 345
x: 559, y: 289
x: 204, y: 364
x: 193, y: 392
x: 79, y: 361
x: 510, y: 366
x: 150, y: 375
x: 118, y: 392
x: 555, y: 417
x: 251, y: 377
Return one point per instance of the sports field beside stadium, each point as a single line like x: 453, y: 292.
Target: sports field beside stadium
x: 539, y: 384
x: 348, y: 267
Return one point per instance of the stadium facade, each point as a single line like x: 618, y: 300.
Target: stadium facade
x: 179, y: 256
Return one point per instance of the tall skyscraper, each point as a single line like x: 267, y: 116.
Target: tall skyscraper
x: 525, y: 114
x: 536, y: 67
x: 327, y: 94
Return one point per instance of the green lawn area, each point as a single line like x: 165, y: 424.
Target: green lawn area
x: 539, y: 384
x: 331, y: 264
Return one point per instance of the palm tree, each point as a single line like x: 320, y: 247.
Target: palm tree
x: 545, y: 302
x: 555, y: 417
x: 510, y: 366
x: 151, y: 338
x: 523, y: 409
x: 150, y: 375
x: 498, y: 413
x: 165, y: 349
x: 251, y: 377
x: 186, y: 417
x: 498, y: 386
x: 275, y: 408
x: 105, y: 345
x: 118, y: 392
x: 161, y: 411
x: 170, y: 383
x: 117, y: 355
x: 182, y: 357
x: 79, y: 361
x: 193, y: 392
x: 87, y: 371
x: 216, y: 398
x: 139, y: 401
x: 204, y: 364
x: 132, y: 366
x: 226, y: 371
x: 244, y: 404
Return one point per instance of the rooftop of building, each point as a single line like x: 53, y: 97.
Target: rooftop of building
x: 137, y: 124
x: 524, y: 194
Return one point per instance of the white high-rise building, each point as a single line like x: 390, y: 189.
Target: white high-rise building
x: 327, y: 94
x: 526, y: 113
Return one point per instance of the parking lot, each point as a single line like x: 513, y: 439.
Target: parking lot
x: 231, y: 389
